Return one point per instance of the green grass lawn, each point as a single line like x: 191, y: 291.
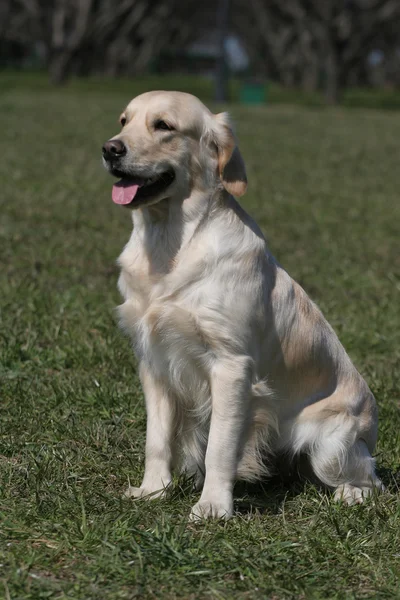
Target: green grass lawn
x: 324, y: 185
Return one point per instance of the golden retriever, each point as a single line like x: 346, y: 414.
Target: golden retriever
x: 236, y: 362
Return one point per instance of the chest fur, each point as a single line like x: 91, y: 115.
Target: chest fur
x: 166, y: 336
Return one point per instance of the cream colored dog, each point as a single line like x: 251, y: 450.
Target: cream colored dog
x: 236, y: 362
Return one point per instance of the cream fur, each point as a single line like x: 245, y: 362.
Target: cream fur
x: 236, y: 362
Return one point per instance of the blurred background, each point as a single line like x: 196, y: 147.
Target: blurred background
x: 252, y: 50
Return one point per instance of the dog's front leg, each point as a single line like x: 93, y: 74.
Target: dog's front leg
x: 159, y: 439
x: 230, y: 391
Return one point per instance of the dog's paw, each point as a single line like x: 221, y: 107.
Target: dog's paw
x: 351, y: 494
x: 144, y: 493
x: 211, y: 510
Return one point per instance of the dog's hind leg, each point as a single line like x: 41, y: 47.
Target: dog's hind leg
x: 338, y: 452
x: 345, y: 465
x: 359, y: 477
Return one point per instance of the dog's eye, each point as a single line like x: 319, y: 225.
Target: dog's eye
x: 163, y: 125
x: 123, y: 121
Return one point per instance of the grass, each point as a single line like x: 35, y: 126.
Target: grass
x: 324, y: 186
x: 203, y: 87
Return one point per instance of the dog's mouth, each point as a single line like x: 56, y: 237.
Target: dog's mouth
x: 134, y: 190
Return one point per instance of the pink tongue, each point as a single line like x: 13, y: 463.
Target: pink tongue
x: 124, y: 191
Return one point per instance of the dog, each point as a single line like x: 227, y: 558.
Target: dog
x: 237, y: 364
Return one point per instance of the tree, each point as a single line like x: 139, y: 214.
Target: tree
x: 312, y: 44
x: 308, y: 41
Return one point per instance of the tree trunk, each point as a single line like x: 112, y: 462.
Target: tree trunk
x: 221, y: 80
x: 59, y: 67
x: 332, y: 75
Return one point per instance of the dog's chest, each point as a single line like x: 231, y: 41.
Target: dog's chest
x: 166, y: 335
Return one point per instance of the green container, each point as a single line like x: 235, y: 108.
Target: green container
x: 253, y: 92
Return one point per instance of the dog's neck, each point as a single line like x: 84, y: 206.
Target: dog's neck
x: 167, y: 227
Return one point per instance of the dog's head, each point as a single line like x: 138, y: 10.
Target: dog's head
x: 171, y: 145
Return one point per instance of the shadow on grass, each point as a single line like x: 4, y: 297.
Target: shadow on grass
x: 390, y: 478
x: 265, y: 497
x: 289, y: 480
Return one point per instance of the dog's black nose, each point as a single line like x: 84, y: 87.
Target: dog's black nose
x: 114, y: 149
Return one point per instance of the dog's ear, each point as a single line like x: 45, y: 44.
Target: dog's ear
x: 231, y: 165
